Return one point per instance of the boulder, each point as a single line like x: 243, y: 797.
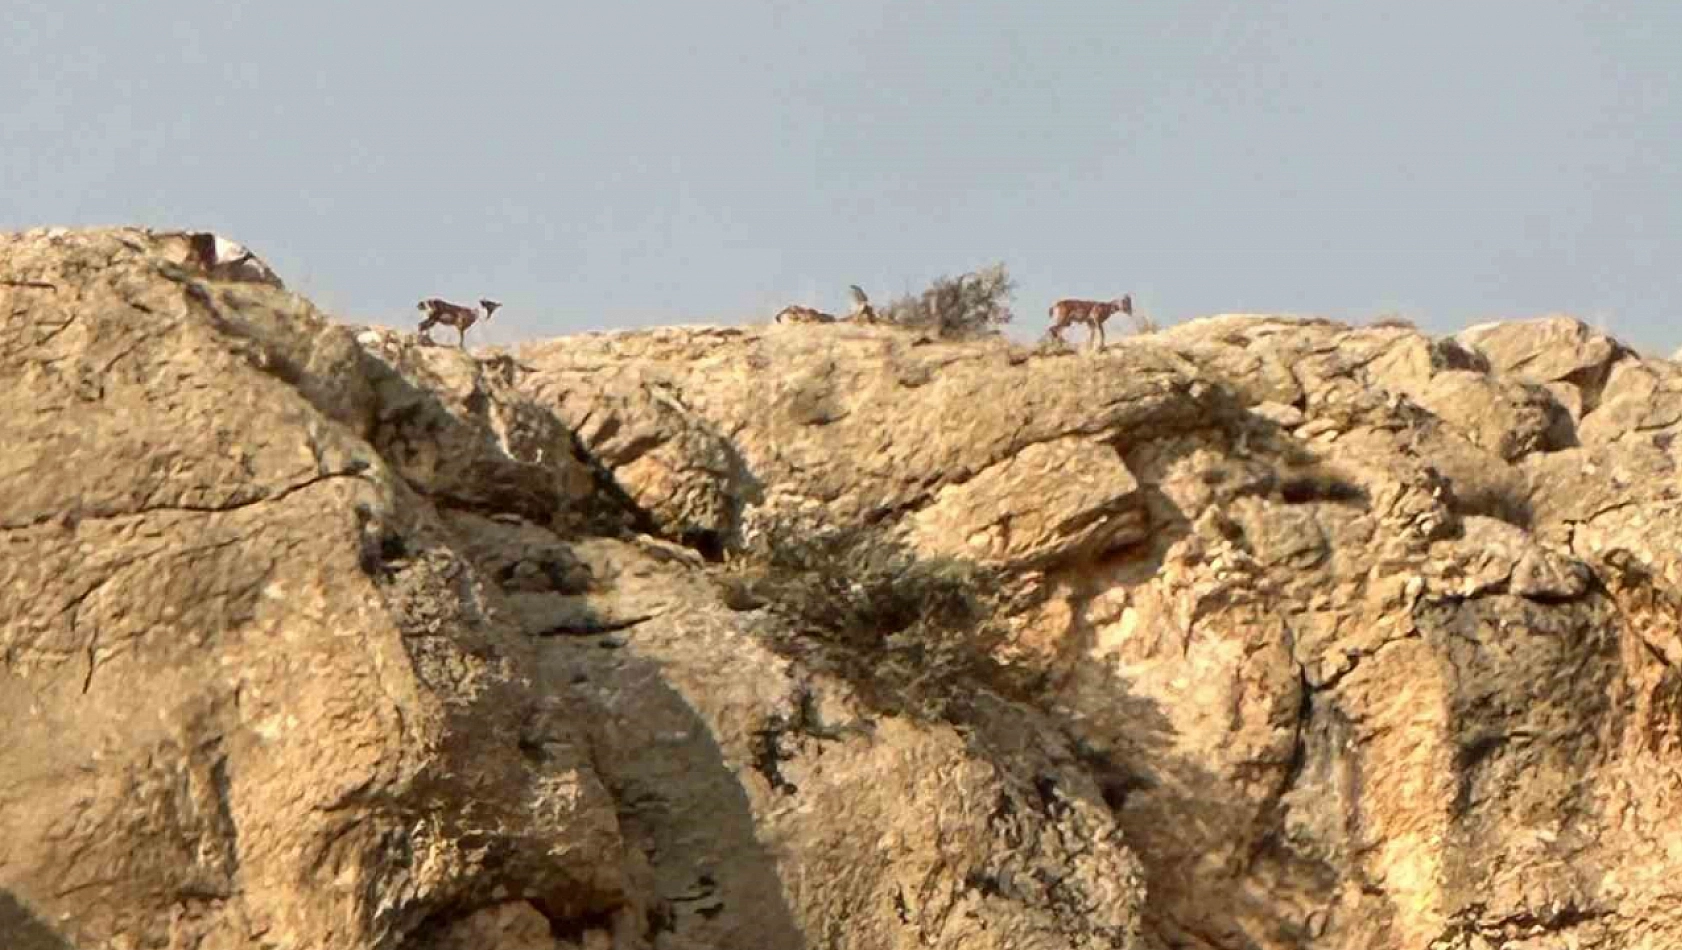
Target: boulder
x: 1549, y: 350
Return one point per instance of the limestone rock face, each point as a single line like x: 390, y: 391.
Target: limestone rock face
x: 253, y: 695
x: 1308, y: 635
x: 1353, y: 627
x: 862, y: 421
x: 1049, y: 503
x: 319, y: 638
x: 1549, y: 350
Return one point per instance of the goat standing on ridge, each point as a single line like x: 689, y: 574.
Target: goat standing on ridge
x: 453, y: 315
x: 1092, y: 313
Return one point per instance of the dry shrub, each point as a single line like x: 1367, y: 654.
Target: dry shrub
x: 1393, y: 320
x: 911, y: 634
x: 1143, y: 323
x: 963, y: 307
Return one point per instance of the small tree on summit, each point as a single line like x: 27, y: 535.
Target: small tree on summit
x: 970, y: 305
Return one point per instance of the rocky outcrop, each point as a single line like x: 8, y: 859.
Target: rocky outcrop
x: 1315, y: 611
x: 320, y: 638
x: 1307, y: 635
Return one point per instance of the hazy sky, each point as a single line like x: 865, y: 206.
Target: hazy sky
x: 599, y: 165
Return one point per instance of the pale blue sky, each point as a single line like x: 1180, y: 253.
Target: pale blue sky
x: 606, y: 165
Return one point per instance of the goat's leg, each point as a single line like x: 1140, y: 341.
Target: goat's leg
x: 461, y: 337
x: 1099, y: 326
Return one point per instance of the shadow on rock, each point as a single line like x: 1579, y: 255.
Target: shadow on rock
x: 925, y: 638
x: 633, y: 690
x: 680, y: 806
x: 22, y: 930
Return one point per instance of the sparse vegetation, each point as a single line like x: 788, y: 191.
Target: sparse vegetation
x: 1143, y: 323
x: 910, y: 633
x: 969, y: 305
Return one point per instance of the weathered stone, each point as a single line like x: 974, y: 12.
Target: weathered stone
x: 516, y: 925
x: 1547, y: 350
x: 1640, y: 397
x: 1049, y: 503
x: 1286, y: 417
x: 251, y: 691
x: 1292, y: 491
x: 1508, y: 418
x: 767, y: 412
x: 1491, y: 555
x: 1308, y: 635
x: 318, y: 638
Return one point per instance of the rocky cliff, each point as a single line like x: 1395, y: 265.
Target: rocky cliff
x: 1257, y: 633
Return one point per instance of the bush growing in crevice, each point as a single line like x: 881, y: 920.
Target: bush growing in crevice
x: 912, y: 635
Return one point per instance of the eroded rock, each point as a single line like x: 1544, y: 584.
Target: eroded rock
x: 1309, y: 635
x: 253, y: 693
x: 320, y: 638
x: 1051, y: 502
x: 1551, y: 350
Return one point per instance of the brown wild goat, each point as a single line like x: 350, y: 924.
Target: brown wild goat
x: 862, y: 312
x: 1092, y: 313
x: 794, y: 313
x: 453, y: 315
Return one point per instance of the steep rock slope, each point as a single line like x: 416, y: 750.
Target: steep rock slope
x: 1309, y: 635
x: 1369, y: 637
x: 319, y: 638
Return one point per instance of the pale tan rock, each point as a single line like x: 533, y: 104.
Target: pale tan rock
x: 769, y: 412
x: 1365, y: 604
x: 1568, y: 396
x: 318, y: 638
x: 1222, y: 346
x: 1557, y: 349
x: 673, y: 464
x: 1540, y: 573
x: 1051, y: 502
x: 1491, y: 555
x: 453, y: 426
x: 252, y: 691
x: 1281, y: 415
x: 1640, y: 397
x: 1314, y: 635
x: 1508, y: 418
x: 516, y: 925
x: 1407, y: 361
